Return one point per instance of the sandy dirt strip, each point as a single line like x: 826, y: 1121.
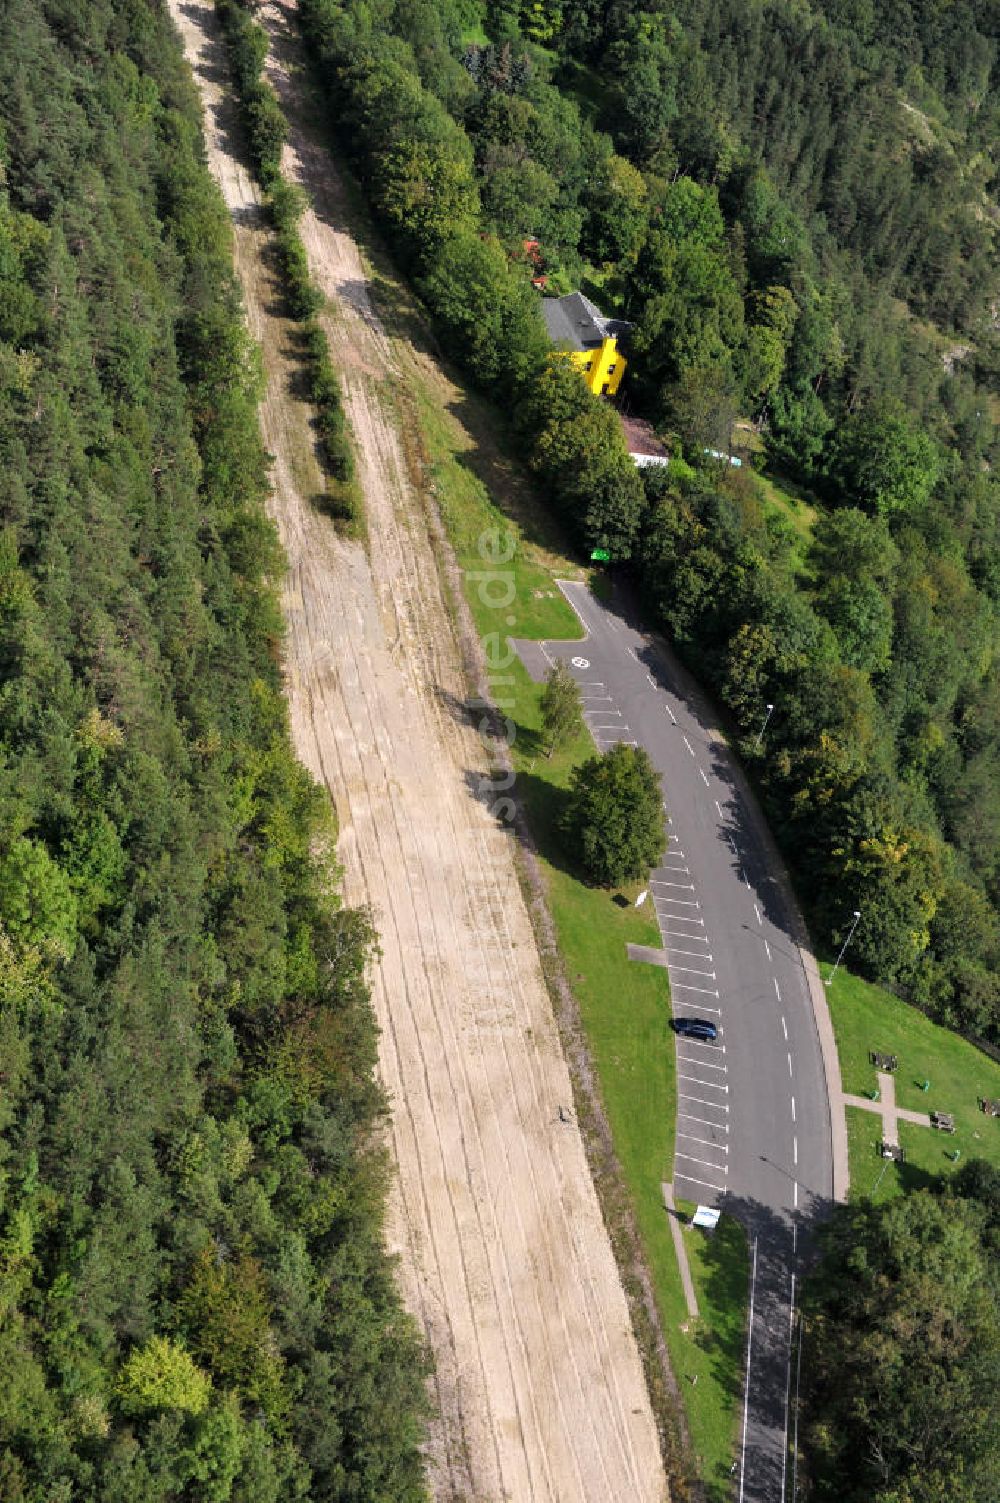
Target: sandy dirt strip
x: 504, y: 1258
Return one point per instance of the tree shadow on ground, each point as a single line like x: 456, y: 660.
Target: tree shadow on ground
x: 769, y: 1233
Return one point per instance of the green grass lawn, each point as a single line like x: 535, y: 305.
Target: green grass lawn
x: 781, y: 498
x: 624, y: 1006
x: 867, y: 1017
x: 712, y: 1347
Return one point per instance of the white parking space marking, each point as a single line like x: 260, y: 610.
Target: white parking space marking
x: 696, y: 954
x: 719, y: 807
x: 692, y: 1180
x: 705, y: 1122
x: 670, y: 712
x: 699, y: 1063
x: 700, y: 1044
x: 777, y: 989
x: 689, y: 746
x: 689, y: 1137
x: 689, y: 970
x: 716, y: 1106
x: 682, y: 986
x: 704, y: 779
x: 677, y: 902
x: 708, y: 1084
x: 705, y: 1163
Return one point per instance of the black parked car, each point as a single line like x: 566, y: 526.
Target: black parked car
x: 695, y: 1028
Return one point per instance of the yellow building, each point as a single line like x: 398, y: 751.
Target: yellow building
x: 588, y: 338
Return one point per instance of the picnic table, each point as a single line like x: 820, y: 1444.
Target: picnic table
x: 882, y: 1061
x: 892, y: 1151
x: 991, y: 1108
x: 943, y: 1121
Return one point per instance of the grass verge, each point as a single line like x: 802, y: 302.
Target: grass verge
x: 866, y: 1017
x: 624, y: 1006
x: 796, y: 512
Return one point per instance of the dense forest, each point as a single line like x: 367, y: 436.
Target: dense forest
x: 797, y: 209
x: 902, y: 1326
x: 195, y: 1299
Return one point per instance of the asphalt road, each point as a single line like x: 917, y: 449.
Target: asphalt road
x: 753, y: 1122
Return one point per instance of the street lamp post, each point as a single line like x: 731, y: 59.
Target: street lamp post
x: 847, y: 941
x: 760, y: 733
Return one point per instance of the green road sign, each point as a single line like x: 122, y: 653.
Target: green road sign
x: 600, y: 556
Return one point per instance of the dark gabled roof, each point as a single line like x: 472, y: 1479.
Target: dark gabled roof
x: 573, y: 320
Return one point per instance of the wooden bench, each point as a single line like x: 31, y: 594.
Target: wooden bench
x: 887, y: 1062
x: 892, y: 1151
x: 991, y: 1108
x: 943, y: 1121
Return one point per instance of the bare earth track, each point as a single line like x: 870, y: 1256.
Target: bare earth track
x: 504, y: 1258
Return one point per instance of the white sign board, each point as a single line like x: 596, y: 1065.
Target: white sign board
x: 642, y: 897
x: 706, y: 1216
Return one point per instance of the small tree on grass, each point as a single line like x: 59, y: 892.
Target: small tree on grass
x: 613, y: 824
x: 561, y: 707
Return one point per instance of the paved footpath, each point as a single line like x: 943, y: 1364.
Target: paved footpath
x: 887, y: 1109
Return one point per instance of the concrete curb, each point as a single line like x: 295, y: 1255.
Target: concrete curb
x: 831, y: 1068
